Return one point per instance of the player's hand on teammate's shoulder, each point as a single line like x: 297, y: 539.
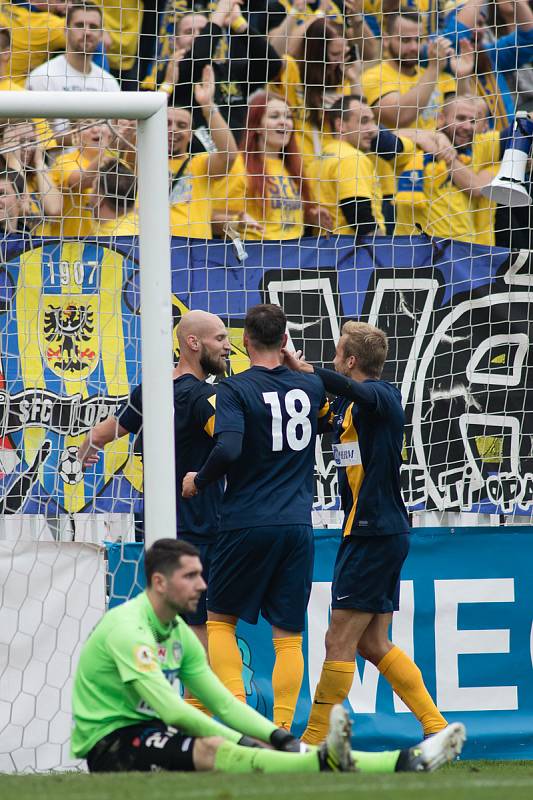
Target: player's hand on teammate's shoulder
x: 188, y: 487
x: 295, y: 360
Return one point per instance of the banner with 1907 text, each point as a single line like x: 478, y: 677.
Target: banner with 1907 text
x: 457, y: 316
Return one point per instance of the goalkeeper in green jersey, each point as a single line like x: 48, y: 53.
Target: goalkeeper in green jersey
x: 128, y: 715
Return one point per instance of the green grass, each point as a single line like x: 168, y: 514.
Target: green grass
x: 479, y: 780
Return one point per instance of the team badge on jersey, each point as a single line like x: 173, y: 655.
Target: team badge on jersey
x: 177, y: 651
x: 144, y: 658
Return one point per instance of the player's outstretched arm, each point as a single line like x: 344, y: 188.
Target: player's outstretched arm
x: 173, y: 710
x: 363, y: 393
x: 104, y: 432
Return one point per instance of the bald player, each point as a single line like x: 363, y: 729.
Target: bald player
x: 204, y: 348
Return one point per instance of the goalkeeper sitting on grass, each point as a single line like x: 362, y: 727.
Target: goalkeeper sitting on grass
x: 127, y: 717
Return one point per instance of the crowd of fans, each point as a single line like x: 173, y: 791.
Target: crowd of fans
x: 286, y: 118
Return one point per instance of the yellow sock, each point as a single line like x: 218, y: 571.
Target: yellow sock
x: 225, y: 657
x: 333, y: 687
x: 406, y: 680
x: 287, y: 677
x: 192, y: 701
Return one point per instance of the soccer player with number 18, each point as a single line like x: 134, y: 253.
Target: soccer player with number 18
x: 265, y: 426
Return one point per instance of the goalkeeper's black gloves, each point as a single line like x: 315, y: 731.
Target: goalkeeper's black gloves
x: 281, y: 739
x: 248, y: 741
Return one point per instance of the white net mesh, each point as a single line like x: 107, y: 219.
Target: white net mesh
x: 303, y: 140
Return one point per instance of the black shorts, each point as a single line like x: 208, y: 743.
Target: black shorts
x: 199, y: 617
x: 144, y: 747
x: 268, y: 570
x: 367, y: 573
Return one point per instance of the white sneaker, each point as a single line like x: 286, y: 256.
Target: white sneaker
x: 336, y: 750
x: 437, y: 750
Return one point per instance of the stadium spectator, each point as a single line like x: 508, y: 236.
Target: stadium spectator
x: 264, y: 195
x: 9, y: 206
x: 74, y: 173
x: 191, y: 175
x: 495, y: 58
x: 345, y: 179
x: 9, y: 84
x: 125, y: 141
x: 286, y: 36
x: 114, y: 201
x: 314, y: 79
x: 441, y: 195
x: 241, y: 58
x: 39, y: 198
x: 74, y: 70
x: 122, y: 20
x: 403, y: 93
x: 36, y: 30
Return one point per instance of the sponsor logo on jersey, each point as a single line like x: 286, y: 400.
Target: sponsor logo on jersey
x: 347, y: 455
x: 161, y: 653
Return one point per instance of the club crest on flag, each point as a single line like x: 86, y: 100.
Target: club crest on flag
x: 68, y: 334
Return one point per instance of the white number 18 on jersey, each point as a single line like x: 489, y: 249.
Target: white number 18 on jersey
x: 298, y: 431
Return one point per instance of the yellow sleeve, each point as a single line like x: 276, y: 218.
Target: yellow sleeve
x: 486, y: 152
x: 63, y: 168
x: 197, y: 166
x: 402, y: 161
x: 447, y: 84
x: 355, y: 176
x: 288, y: 81
x: 46, y: 30
x: 372, y: 83
x: 410, y: 190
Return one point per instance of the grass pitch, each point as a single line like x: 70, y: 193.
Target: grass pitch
x: 470, y: 780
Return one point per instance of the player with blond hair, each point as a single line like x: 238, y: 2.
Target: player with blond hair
x: 368, y: 421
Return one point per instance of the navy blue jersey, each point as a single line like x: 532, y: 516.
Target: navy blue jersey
x: 194, y: 419
x: 276, y: 410
x: 368, y: 426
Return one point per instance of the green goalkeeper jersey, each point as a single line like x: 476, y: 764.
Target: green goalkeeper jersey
x: 128, y: 673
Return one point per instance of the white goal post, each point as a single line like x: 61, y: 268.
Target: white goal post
x: 150, y: 109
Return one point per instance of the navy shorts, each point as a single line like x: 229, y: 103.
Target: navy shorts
x: 199, y: 617
x: 367, y: 573
x: 267, y: 570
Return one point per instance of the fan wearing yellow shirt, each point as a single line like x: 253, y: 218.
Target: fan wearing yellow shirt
x: 344, y: 179
x: 441, y: 194
x: 114, y: 201
x: 193, y: 176
x: 40, y: 200
x: 311, y: 82
x: 264, y: 194
x: 35, y: 34
x: 403, y: 94
x: 9, y: 84
x: 74, y: 173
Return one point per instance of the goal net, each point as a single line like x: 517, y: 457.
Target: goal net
x: 334, y: 157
